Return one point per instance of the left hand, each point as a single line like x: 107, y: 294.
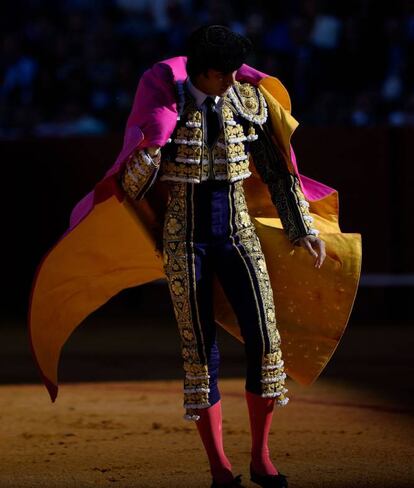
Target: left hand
x: 316, y: 247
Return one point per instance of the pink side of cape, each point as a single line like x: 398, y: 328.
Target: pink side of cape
x: 152, y: 121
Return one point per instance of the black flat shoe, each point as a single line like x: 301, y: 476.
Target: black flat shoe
x: 268, y: 480
x: 235, y: 483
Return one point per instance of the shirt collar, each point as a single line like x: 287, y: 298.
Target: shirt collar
x: 199, y: 95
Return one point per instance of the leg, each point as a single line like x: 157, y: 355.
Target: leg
x: 189, y: 277
x: 242, y: 271
x: 260, y: 417
x: 210, y: 428
x: 241, y: 268
x: 189, y: 273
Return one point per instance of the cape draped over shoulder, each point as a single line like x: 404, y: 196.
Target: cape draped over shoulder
x: 111, y: 243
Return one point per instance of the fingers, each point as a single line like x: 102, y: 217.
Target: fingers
x: 155, y: 153
x: 321, y: 253
x: 153, y: 150
x: 309, y: 248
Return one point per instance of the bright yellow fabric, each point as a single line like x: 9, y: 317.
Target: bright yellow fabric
x: 278, y: 91
x: 108, y: 251
x: 283, y: 122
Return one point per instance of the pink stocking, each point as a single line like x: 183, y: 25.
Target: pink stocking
x: 260, y: 414
x: 210, y: 429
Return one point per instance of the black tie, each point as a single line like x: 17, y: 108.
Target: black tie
x: 213, y: 124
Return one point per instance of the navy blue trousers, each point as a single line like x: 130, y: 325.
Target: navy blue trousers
x: 208, y: 230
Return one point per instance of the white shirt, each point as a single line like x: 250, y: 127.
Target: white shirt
x: 200, y: 97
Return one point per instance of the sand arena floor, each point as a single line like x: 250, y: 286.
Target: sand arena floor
x: 131, y: 434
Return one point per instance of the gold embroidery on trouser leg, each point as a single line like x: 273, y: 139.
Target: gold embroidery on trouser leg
x: 176, y: 267
x: 273, y: 375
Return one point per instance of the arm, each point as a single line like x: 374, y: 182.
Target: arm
x: 140, y: 172
x: 284, y: 187
x: 286, y: 194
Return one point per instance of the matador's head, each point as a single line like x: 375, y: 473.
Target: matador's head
x: 214, y: 54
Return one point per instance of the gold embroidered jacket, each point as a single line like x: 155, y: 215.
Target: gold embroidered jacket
x: 244, y: 136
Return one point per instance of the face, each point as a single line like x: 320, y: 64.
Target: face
x: 217, y: 83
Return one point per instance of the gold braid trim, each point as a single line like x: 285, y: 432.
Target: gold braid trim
x: 139, y: 173
x: 249, y: 102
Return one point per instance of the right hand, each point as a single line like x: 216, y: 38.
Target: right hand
x: 153, y: 150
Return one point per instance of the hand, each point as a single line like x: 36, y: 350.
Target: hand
x: 315, y: 247
x: 153, y: 150
x: 155, y: 154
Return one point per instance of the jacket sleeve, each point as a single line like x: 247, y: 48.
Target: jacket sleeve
x: 139, y: 173
x: 284, y: 187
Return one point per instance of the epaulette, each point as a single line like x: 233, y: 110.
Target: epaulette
x: 249, y: 102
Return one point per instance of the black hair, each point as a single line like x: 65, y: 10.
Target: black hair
x: 216, y: 47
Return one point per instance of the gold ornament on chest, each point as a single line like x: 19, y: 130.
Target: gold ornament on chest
x: 228, y: 156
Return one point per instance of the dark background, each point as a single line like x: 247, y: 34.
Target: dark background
x: 72, y: 66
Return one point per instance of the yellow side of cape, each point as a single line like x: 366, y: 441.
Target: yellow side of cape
x: 113, y: 249
x: 312, y: 305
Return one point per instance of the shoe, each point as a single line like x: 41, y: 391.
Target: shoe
x: 234, y: 483
x: 268, y: 480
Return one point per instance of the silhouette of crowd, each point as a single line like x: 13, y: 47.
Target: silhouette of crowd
x: 71, y: 67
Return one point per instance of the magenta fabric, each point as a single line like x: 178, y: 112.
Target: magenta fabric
x: 151, y: 122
